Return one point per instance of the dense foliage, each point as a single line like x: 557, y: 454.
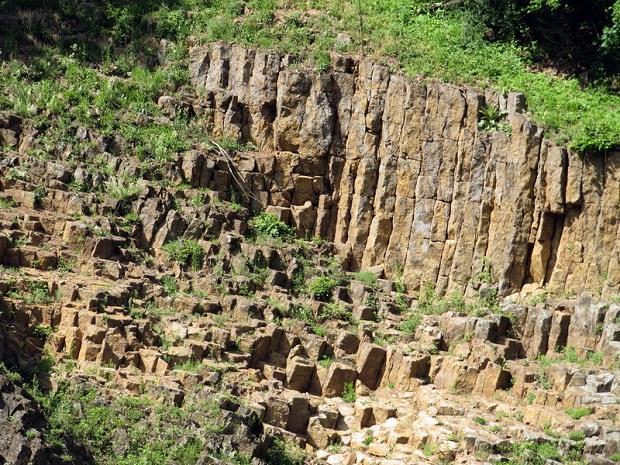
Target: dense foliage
x: 71, y: 45
x: 128, y: 430
x: 577, y: 36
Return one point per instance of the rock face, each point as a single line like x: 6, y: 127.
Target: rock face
x: 20, y: 424
x: 396, y: 173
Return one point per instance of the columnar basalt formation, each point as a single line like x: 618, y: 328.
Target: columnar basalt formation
x: 396, y: 172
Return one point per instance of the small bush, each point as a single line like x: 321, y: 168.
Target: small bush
x: 283, y: 452
x: 491, y: 119
x: 335, y: 311
x: 269, y: 225
x: 186, y: 252
x: 410, y: 325
x: 170, y: 285
x: 348, y: 394
x: 40, y: 193
x: 577, y: 413
x: 7, y: 203
x: 321, y: 287
x: 126, y: 189
x: 42, y: 332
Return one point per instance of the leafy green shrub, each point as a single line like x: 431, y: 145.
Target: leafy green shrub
x: 530, y: 453
x: 335, y: 311
x: 285, y: 452
x: 7, y: 203
x: 596, y: 358
x: 412, y: 322
x: 40, y: 193
x: 124, y: 189
x: 490, y: 118
x: 268, y: 224
x: 348, y: 393
x: 77, y: 415
x: 577, y: 413
x: 186, y: 252
x: 321, y: 287
x: 36, y: 292
x: 42, y: 331
x: 199, y: 199
x: 169, y: 284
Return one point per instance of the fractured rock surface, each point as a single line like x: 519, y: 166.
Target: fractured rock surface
x: 397, y: 174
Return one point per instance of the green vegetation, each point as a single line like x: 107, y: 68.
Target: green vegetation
x: 368, y: 439
x: 429, y: 449
x: 411, y: 323
x: 491, y: 119
x: 185, y: 252
x: 34, y: 292
x: 7, y: 203
x: 124, y: 189
x: 429, y: 303
x: 285, y: 452
x: 321, y: 287
x: 199, y: 199
x: 269, y: 225
x: 533, y: 453
x: 170, y: 286
x: 335, y: 311
x: 348, y: 394
x: 42, y: 331
x: 367, y: 277
x: 577, y: 413
x: 79, y: 416
x: 576, y: 435
x: 192, y: 366
x: 40, y: 193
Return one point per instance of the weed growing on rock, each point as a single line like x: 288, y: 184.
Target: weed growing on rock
x: 79, y: 415
x: 321, y: 287
x: 368, y: 278
x: 285, y: 452
x: 185, y: 252
x: 170, y: 286
x: 348, y: 393
x: 577, y: 413
x: 42, y: 332
x: 269, y: 225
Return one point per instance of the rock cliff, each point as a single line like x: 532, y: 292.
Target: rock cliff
x: 396, y: 172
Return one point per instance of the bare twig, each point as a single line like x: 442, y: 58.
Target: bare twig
x: 233, y: 171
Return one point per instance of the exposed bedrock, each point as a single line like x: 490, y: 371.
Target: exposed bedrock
x: 396, y: 172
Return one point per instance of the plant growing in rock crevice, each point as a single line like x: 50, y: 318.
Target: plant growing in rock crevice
x: 186, y: 252
x: 269, y: 225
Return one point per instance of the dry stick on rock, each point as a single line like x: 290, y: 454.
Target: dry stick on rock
x: 231, y: 167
